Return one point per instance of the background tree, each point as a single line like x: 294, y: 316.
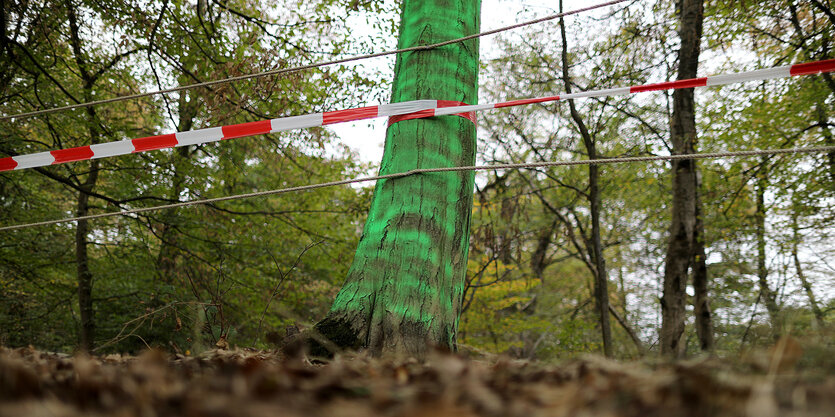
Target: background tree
x: 686, y: 242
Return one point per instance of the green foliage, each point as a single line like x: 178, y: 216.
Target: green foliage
x: 178, y: 279
x: 519, y: 209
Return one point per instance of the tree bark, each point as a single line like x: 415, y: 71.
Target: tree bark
x: 168, y: 251
x: 167, y: 256
x: 823, y: 122
x: 701, y: 283
x: 601, y: 277
x: 83, y: 273
x: 6, y: 54
x: 84, y: 276
x: 539, y: 259
x: 404, y: 289
x: 505, y: 236
x: 682, y: 248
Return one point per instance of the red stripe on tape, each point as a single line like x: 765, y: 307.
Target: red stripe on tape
x: 470, y: 115
x: 693, y: 82
x: 416, y: 115
x: 72, y: 154
x: 330, y: 117
x: 526, y: 101
x: 450, y: 103
x: 7, y: 164
x: 246, y: 129
x: 154, y: 142
x: 813, y: 67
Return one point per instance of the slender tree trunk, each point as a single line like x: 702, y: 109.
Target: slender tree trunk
x: 505, y: 234
x: 539, y: 260
x: 768, y: 296
x: 823, y: 121
x: 622, y: 320
x: 404, y: 289
x: 166, y: 258
x: 601, y: 278
x: 813, y: 303
x: 681, y: 249
x: 6, y: 54
x: 84, y: 276
x: 628, y: 329
x: 601, y: 284
x: 701, y: 283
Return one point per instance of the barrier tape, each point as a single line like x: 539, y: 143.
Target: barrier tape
x: 396, y: 111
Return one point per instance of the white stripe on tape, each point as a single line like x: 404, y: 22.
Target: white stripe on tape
x: 194, y: 137
x: 34, y: 160
x: 597, y: 93
x: 296, y: 122
x: 763, y: 74
x: 443, y: 111
x: 396, y: 109
x: 103, y: 150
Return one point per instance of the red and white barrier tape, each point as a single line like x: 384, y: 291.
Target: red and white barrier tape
x: 401, y: 111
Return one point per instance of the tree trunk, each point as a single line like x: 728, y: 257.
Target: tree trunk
x: 701, y: 283
x: 505, y: 237
x: 601, y: 282
x: 404, y: 289
x: 601, y: 278
x: 681, y: 249
x: 823, y: 122
x: 167, y: 256
x: 6, y: 55
x: 768, y: 296
x: 539, y: 259
x: 813, y: 303
x: 629, y: 331
x: 84, y: 276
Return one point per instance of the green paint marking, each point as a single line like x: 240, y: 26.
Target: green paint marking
x: 412, y: 258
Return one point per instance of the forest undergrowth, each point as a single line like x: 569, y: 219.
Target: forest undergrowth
x: 791, y: 378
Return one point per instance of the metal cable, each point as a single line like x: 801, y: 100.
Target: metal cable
x: 310, y: 66
x: 527, y: 165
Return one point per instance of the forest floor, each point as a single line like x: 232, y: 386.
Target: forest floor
x: 242, y: 382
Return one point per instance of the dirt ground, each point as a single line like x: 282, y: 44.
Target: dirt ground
x: 243, y: 382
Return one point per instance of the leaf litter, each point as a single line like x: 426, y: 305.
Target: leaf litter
x: 245, y: 382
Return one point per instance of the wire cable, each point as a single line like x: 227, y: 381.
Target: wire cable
x: 309, y: 66
x: 526, y: 165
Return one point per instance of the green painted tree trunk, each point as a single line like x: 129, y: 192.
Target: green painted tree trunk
x: 404, y: 289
